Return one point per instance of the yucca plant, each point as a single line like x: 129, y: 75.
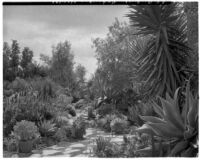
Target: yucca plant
x: 178, y: 128
x: 162, y: 64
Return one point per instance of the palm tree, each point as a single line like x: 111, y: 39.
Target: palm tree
x: 163, y: 62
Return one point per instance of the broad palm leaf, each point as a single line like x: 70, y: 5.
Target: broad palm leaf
x: 162, y: 63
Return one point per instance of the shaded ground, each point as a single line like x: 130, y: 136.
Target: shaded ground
x: 82, y: 148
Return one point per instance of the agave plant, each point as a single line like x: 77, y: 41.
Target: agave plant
x: 161, y: 65
x: 178, y: 128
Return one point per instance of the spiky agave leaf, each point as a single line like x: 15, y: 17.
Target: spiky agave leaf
x: 168, y: 127
x: 172, y: 114
x: 166, y: 52
x: 179, y: 147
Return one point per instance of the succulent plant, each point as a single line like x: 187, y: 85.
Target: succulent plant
x: 25, y: 130
x: 47, y: 128
x: 78, y: 128
x: 118, y: 125
x: 177, y: 128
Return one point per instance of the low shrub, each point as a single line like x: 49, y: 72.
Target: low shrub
x: 9, y: 114
x: 45, y: 87
x: 25, y: 130
x: 26, y: 108
x: 118, y: 126
x: 78, y: 128
x: 47, y: 129
x: 129, y: 146
x: 19, y: 84
x: 61, y: 121
x: 104, y: 148
x: 104, y: 123
x: 60, y: 135
x: 10, y: 144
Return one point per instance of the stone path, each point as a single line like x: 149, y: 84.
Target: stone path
x: 81, y: 148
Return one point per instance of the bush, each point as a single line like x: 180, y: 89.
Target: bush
x: 25, y: 130
x: 78, y: 128
x: 19, y: 85
x: 104, y: 148
x: 63, y: 133
x: 104, y: 123
x: 71, y: 110
x: 61, y: 121
x: 47, y: 128
x: 118, y: 126
x: 26, y: 108
x: 60, y: 135
x: 45, y: 87
x: 129, y: 146
x: 8, y: 118
x: 10, y: 144
x: 105, y: 109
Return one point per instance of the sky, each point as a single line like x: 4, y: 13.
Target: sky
x: 40, y: 27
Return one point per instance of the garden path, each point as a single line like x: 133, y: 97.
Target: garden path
x: 80, y: 148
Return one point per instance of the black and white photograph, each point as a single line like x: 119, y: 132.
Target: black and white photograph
x: 100, y: 79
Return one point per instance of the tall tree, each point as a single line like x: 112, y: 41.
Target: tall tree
x: 27, y: 56
x: 15, y: 54
x: 14, y: 61
x: 80, y: 73
x: 6, y: 60
x: 62, y: 64
x: 115, y: 59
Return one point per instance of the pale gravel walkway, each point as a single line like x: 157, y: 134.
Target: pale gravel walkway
x: 82, y: 148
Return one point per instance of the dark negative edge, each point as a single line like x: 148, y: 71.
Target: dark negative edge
x: 83, y: 3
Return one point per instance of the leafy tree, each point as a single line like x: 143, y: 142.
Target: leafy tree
x: 62, y: 64
x: 15, y: 54
x: 27, y: 56
x: 46, y: 59
x: 14, y: 60
x: 115, y: 60
x: 6, y: 60
x: 80, y: 73
x: 163, y: 64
